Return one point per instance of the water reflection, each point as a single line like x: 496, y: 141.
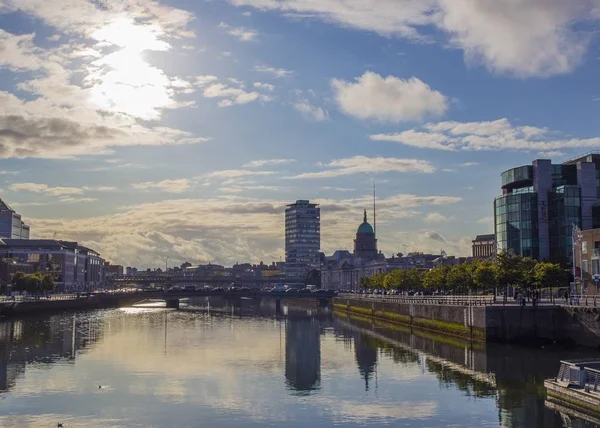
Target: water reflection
x: 303, y: 353
x: 166, y: 368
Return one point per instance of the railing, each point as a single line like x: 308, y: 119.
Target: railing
x: 582, y: 374
x: 592, y: 378
x: 483, y: 300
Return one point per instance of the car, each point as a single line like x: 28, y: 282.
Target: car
x: 174, y: 289
x: 218, y: 290
x: 292, y: 290
x: 245, y: 289
x: 320, y: 291
x: 304, y: 291
x: 189, y: 288
x: 233, y: 289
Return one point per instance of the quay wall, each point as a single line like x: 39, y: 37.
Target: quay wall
x: 36, y: 307
x: 577, y: 326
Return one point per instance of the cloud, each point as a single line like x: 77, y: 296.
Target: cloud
x: 436, y: 218
x: 116, y: 93
x: 468, y: 164
x: 100, y: 188
x: 44, y: 188
x: 232, y: 93
x: 179, y: 185
x: 241, y: 33
x: 277, y: 72
x: 390, y: 99
x: 486, y: 220
x: 551, y: 154
x: 266, y: 86
x: 264, y: 162
x: 521, y: 38
x: 493, y: 135
x: 237, y: 173
x: 224, y: 229
x: 313, y: 112
x: 363, y: 164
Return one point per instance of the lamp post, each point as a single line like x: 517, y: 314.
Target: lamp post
x: 577, y: 237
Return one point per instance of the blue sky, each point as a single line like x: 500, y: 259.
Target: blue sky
x: 149, y: 129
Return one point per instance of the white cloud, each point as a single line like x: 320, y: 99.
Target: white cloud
x: 238, y: 173
x: 494, y: 135
x: 277, y: 72
x: 205, y: 79
x: 523, y: 38
x: 44, y: 188
x: 266, y: 86
x: 263, y: 162
x: 363, y: 164
x: 179, y: 185
x: 100, y: 188
x: 388, y: 99
x: 468, y: 164
x: 311, y: 111
x: 247, y: 13
x: 551, y: 154
x: 18, y: 52
x: 486, y: 220
x: 233, y: 93
x: 244, y: 34
x: 436, y: 218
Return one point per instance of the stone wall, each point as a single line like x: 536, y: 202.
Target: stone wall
x: 579, y: 326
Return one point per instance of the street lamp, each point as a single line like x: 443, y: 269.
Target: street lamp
x: 577, y: 237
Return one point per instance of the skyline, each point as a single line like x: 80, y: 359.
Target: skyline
x: 153, y: 129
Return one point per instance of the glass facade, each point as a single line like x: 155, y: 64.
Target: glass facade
x: 565, y: 210
x: 302, y: 237
x: 540, y: 203
x: 516, y: 223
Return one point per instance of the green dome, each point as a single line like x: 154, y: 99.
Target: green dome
x: 365, y: 228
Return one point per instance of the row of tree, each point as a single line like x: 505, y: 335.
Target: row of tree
x: 33, y: 283
x: 505, y: 270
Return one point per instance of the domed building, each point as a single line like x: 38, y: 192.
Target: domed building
x: 365, y: 244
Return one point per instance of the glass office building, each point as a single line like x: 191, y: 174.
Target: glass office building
x: 11, y: 225
x: 302, y: 237
x: 540, y: 203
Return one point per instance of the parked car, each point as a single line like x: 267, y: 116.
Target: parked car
x: 189, y: 288
x: 292, y: 291
x: 218, y: 290
x: 304, y: 291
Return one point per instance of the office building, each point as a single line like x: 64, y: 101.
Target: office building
x: 11, y: 224
x: 540, y: 203
x: 484, y: 246
x: 587, y: 261
x: 302, y: 237
x: 73, y: 266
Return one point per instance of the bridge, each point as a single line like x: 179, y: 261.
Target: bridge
x: 196, y: 279
x: 59, y: 302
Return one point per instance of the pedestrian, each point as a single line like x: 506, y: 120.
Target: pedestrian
x: 566, y: 297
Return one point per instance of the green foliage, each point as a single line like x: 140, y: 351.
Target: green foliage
x: 37, y: 282
x: 506, y: 270
x: 550, y: 275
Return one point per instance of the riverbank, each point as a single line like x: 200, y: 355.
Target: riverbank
x: 493, y: 323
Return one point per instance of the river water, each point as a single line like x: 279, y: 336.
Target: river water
x: 193, y: 368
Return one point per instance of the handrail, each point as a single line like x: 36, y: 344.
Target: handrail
x: 484, y: 300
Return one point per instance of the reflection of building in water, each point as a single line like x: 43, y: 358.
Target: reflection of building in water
x: 366, y: 357
x: 303, y: 354
x: 44, y: 340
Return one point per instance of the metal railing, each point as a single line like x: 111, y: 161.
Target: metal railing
x: 483, y: 300
x: 581, y: 374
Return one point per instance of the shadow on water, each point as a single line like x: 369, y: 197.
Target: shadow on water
x: 514, y: 375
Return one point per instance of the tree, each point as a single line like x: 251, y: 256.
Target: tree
x: 483, y: 276
x: 436, y: 278
x: 550, y: 275
x: 48, y: 283
x: 526, y: 269
x: 393, y: 279
x: 460, y: 276
x: 365, y: 282
x: 506, y: 270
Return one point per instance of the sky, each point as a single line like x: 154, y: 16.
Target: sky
x: 152, y: 129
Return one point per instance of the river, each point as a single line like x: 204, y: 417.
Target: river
x: 152, y: 367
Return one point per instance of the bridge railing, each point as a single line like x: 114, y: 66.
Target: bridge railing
x: 483, y: 300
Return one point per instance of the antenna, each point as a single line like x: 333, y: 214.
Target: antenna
x: 374, y: 213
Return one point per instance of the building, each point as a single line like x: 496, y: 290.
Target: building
x: 113, y: 270
x: 540, y: 203
x: 365, y: 244
x: 484, y: 246
x: 302, y: 354
x: 302, y: 237
x: 11, y: 224
x: 587, y: 261
x: 73, y: 266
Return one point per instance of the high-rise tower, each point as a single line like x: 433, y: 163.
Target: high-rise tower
x: 302, y: 237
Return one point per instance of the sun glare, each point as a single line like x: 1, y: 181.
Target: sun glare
x: 122, y: 80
